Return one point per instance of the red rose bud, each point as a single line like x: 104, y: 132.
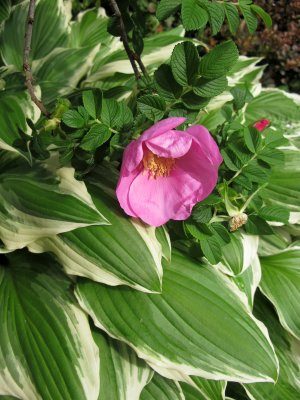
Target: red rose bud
x: 262, y: 124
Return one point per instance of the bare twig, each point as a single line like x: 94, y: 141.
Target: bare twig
x: 133, y: 57
x: 26, y: 53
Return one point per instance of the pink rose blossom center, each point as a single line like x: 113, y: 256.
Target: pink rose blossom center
x: 157, y: 166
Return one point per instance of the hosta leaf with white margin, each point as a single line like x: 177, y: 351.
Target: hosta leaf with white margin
x: 15, y: 102
x: 36, y: 203
x: 162, y: 389
x: 284, y: 185
x: 198, y: 325
x: 59, y: 72
x: 89, y: 29
x: 249, y: 280
x: 238, y: 254
x: 50, y: 31
x: 203, y: 389
x: 46, y: 346
x: 280, y: 283
x: 275, y: 243
x: 122, y: 374
x: 126, y: 254
x: 287, y: 349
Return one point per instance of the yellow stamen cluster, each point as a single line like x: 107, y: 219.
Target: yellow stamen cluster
x: 158, y: 166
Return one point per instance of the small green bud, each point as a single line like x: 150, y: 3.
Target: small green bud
x: 51, y: 124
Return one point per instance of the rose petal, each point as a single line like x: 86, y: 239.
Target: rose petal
x: 162, y: 126
x: 207, y: 143
x: 122, y: 190
x: 133, y: 155
x: 156, y: 201
x: 198, y: 168
x: 171, y: 144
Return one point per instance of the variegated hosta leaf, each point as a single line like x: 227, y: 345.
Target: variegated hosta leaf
x: 280, y: 283
x: 197, y: 326
x: 125, y: 252
x: 203, y: 389
x: 122, y: 374
x: 271, y: 244
x: 15, y: 102
x: 162, y: 389
x: 46, y: 346
x: 284, y: 186
x: 164, y: 239
x: 288, y: 351
x: 249, y: 280
x: 238, y: 254
x: 50, y: 31
x: 35, y: 203
x: 59, y: 72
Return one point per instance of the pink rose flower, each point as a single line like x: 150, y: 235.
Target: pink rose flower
x: 166, y: 172
x: 262, y: 124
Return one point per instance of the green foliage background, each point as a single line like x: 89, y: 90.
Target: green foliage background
x: 97, y: 305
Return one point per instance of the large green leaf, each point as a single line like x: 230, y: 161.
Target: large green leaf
x: 162, y: 389
x: 46, y: 346
x: 122, y: 374
x: 238, y: 254
x: 126, y: 253
x: 37, y: 203
x: 15, y: 102
x: 284, y: 186
x: 60, y: 72
x: 287, y: 386
x: 198, y: 325
x: 280, y: 283
x: 203, y: 389
x: 49, y: 31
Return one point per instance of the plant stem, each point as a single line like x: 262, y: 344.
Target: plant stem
x: 26, y: 54
x: 133, y: 57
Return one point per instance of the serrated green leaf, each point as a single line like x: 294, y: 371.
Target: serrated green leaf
x: 264, y: 15
x: 110, y: 113
x: 166, y: 84
x: 252, y: 139
x: 167, y: 7
x: 256, y: 173
x: 73, y: 119
x: 211, y: 249
x: 228, y: 161
x: 186, y: 343
x: 153, y: 107
x: 89, y: 103
x: 122, y: 374
x: 210, y: 88
x: 216, y: 13
x: 275, y: 213
x: 184, y: 63
x: 202, y: 214
x: 219, y: 60
x: 249, y: 16
x: 95, y: 137
x: 211, y: 200
x: 271, y: 156
x: 232, y: 16
x: 241, y: 96
x: 46, y: 347
x: 224, y: 236
x: 137, y: 40
x: 194, y: 16
x: 257, y: 226
x: 194, y: 102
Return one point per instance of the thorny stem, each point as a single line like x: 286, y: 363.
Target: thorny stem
x: 26, y: 53
x: 133, y: 57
